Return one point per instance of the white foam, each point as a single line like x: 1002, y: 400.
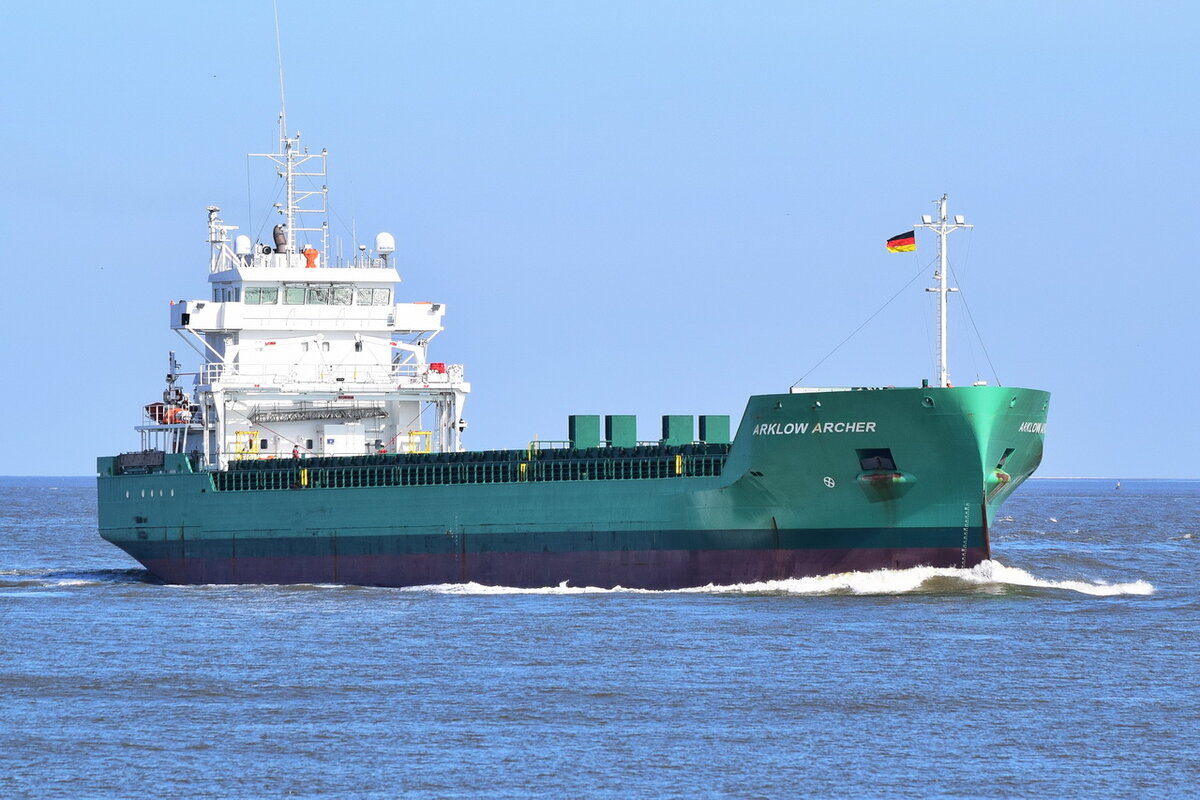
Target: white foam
x: 989, y: 575
x: 999, y: 573
x: 483, y: 589
x: 986, y: 575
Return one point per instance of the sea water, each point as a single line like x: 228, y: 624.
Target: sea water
x: 1066, y: 667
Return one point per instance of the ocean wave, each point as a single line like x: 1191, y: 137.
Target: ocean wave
x: 57, y: 579
x: 990, y: 577
x: 484, y: 589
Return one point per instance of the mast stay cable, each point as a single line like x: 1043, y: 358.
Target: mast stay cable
x: 864, y: 324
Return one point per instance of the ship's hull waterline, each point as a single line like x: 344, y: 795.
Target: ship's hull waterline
x: 814, y: 483
x: 630, y: 569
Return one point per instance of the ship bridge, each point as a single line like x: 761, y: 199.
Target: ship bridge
x: 303, y: 354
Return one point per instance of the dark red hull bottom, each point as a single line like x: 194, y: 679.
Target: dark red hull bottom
x: 659, y: 569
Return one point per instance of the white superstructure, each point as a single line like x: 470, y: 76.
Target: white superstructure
x: 302, y: 354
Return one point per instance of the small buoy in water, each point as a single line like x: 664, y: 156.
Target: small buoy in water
x: 1118, y: 484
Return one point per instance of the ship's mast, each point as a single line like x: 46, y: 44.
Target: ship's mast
x: 282, y: 92
x: 943, y: 227
x: 299, y: 201
x: 288, y: 159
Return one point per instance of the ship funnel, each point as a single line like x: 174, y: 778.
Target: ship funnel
x: 385, y: 243
x: 280, y: 234
x: 242, y: 246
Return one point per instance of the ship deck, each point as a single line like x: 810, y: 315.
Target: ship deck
x: 475, y: 467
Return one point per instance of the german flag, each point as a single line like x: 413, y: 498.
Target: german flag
x: 903, y: 242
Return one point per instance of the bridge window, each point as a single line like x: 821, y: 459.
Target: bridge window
x: 328, y: 296
x: 293, y: 295
x: 374, y: 297
x: 256, y: 296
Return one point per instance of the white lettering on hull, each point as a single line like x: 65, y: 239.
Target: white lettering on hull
x: 1033, y: 427
x: 794, y: 428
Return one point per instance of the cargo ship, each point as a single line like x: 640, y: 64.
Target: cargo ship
x: 317, y: 442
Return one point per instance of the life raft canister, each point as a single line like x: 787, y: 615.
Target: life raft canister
x: 310, y: 256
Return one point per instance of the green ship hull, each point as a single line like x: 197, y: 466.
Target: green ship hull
x: 813, y: 483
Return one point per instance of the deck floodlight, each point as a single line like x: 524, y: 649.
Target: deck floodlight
x: 928, y: 220
x: 959, y: 219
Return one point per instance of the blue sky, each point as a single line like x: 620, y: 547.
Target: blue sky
x: 628, y: 207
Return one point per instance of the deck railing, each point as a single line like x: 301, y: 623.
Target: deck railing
x: 411, y: 375
x: 444, y: 469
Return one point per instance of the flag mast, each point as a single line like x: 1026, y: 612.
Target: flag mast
x: 943, y: 228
